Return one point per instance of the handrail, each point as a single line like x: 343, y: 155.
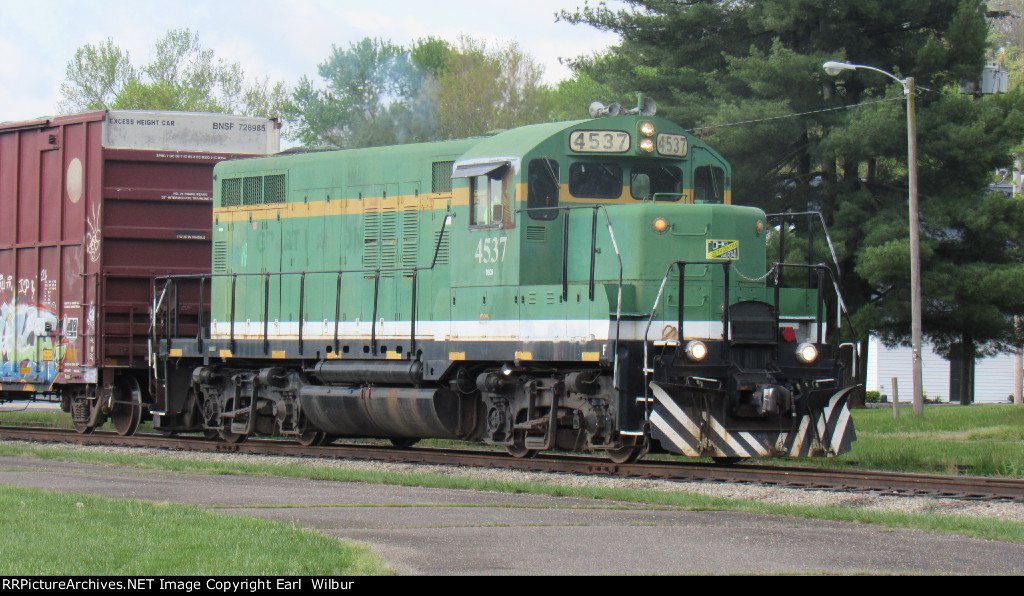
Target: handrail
x: 593, y: 246
x: 836, y: 275
x: 810, y: 244
x: 777, y: 268
x: 169, y: 280
x: 821, y: 269
x: 682, y: 281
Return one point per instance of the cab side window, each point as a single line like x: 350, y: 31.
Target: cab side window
x: 709, y: 184
x: 542, y: 189
x: 489, y: 202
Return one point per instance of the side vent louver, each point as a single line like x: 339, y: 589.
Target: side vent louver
x: 371, y: 238
x: 535, y: 233
x: 442, y: 251
x: 220, y: 256
x: 389, y: 239
x: 410, y: 237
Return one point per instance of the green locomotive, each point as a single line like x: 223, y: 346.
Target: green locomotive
x: 521, y: 289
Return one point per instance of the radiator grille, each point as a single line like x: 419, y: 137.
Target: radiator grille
x: 253, y: 190
x: 441, y: 176
x: 231, y: 192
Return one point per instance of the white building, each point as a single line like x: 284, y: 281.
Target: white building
x: 993, y: 381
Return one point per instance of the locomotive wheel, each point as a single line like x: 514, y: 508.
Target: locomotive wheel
x: 627, y: 454
x: 234, y: 438
x: 127, y: 407
x: 727, y: 461
x: 211, y: 434
x: 311, y: 438
x: 519, y: 450
x: 403, y: 443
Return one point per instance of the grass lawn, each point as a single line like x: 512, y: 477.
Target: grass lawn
x: 47, y: 533
x: 978, y: 440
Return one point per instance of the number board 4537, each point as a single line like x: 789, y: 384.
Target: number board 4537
x: 599, y: 141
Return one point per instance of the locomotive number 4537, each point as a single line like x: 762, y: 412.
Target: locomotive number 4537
x: 491, y: 250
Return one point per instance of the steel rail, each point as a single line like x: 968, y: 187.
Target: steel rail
x: 882, y: 483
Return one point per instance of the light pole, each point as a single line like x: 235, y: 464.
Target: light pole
x: 834, y: 68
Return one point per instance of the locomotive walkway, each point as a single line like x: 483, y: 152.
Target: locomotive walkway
x: 423, y: 531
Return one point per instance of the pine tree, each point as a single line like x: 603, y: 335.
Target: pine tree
x: 809, y: 141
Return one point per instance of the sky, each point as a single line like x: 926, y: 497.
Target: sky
x: 282, y: 39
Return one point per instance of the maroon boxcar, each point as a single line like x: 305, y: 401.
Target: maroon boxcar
x: 93, y: 207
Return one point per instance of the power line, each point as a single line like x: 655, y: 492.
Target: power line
x: 769, y: 118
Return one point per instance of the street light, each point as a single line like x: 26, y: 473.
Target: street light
x: 834, y: 68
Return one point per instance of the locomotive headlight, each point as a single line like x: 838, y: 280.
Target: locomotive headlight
x: 647, y: 129
x: 696, y: 350
x: 807, y: 353
x: 660, y: 225
x: 506, y: 370
x: 647, y: 145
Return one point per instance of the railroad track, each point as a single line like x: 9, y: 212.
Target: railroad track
x: 883, y: 483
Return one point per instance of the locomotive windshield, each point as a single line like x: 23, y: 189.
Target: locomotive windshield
x: 595, y: 180
x: 663, y: 183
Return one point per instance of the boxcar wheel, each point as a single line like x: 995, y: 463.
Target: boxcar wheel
x: 403, y: 443
x: 127, y: 406
x: 81, y: 409
x: 83, y: 428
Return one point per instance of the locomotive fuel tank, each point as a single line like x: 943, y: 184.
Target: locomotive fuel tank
x: 387, y: 412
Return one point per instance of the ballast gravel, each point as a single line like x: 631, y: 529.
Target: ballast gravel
x: 764, y: 494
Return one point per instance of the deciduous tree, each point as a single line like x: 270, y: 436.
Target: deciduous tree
x: 182, y: 76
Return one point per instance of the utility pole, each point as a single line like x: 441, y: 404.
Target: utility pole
x: 915, y: 250
x: 1018, y: 360
x: 834, y: 68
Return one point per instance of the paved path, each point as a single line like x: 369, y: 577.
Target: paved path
x: 454, y: 532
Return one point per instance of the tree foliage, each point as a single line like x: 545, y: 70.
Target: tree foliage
x: 485, y: 88
x: 377, y: 93
x: 748, y: 77
x: 183, y: 76
x: 362, y: 84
